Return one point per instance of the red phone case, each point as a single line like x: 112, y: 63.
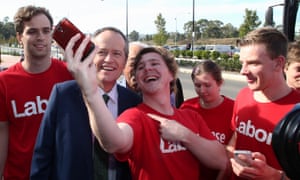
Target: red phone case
x: 64, y: 31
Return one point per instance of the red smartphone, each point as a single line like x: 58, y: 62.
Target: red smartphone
x: 64, y: 31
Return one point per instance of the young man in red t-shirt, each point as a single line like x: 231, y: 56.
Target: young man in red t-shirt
x: 24, y: 91
x: 260, y: 106
x: 158, y: 140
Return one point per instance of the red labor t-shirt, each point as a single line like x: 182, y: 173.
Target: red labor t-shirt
x: 218, y: 119
x: 152, y: 157
x: 23, y: 100
x: 254, y: 122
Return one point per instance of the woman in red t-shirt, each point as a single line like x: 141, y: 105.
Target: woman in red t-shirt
x: 216, y: 109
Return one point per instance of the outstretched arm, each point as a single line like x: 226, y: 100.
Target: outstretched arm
x: 112, y: 136
x: 209, y: 152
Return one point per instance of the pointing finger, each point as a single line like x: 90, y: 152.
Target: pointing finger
x: 157, y: 118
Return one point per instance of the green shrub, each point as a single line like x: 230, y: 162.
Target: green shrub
x: 188, y: 53
x: 214, y: 55
x: 176, y: 53
x: 237, y: 65
x: 226, y: 63
x: 198, y: 54
x: 205, y: 54
x: 236, y: 57
x: 224, y: 56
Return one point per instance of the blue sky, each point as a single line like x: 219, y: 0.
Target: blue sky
x: 90, y: 15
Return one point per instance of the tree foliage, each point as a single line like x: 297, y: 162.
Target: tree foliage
x: 210, y: 29
x: 134, y: 36
x: 161, y: 37
x: 229, y: 31
x: 7, y: 32
x: 251, y: 22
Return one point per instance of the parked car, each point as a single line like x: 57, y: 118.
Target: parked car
x: 221, y: 48
x: 199, y: 47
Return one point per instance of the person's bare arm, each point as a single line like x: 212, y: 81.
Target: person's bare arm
x: 114, y: 137
x: 209, y: 152
x: 231, y: 145
x: 3, y: 145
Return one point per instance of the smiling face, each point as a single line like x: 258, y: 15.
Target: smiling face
x: 110, y: 59
x: 153, y: 75
x: 36, y: 37
x: 292, y: 66
x: 258, y: 67
x: 133, y: 51
x: 292, y: 72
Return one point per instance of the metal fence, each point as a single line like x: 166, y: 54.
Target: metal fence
x: 11, y: 50
x: 56, y: 52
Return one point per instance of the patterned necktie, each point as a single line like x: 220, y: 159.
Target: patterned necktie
x: 100, y: 156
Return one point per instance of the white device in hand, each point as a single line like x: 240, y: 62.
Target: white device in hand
x: 246, y: 153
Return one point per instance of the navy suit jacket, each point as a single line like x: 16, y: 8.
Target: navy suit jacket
x: 64, y: 145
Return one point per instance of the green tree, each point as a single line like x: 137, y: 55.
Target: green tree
x: 251, y: 22
x: 134, y: 36
x: 203, y: 25
x: 7, y: 30
x: 148, y: 37
x: 162, y: 36
x: 1, y: 29
x: 229, y: 31
x: 205, y: 29
x: 214, y: 29
x: 180, y: 37
x: 188, y: 29
x: 5, y: 19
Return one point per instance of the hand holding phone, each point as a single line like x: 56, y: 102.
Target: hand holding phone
x: 247, y: 156
x: 64, y: 31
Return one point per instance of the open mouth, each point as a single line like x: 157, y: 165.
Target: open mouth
x: 150, y: 79
x: 107, y: 68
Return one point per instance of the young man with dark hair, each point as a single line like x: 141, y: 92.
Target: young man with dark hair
x: 24, y: 91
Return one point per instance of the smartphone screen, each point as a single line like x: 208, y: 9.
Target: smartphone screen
x: 64, y: 31
x: 246, y: 153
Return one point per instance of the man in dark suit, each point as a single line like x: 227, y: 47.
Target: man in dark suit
x: 65, y: 144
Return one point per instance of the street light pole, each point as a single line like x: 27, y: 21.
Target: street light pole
x: 175, y: 39
x: 193, y: 27
x: 127, y: 18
